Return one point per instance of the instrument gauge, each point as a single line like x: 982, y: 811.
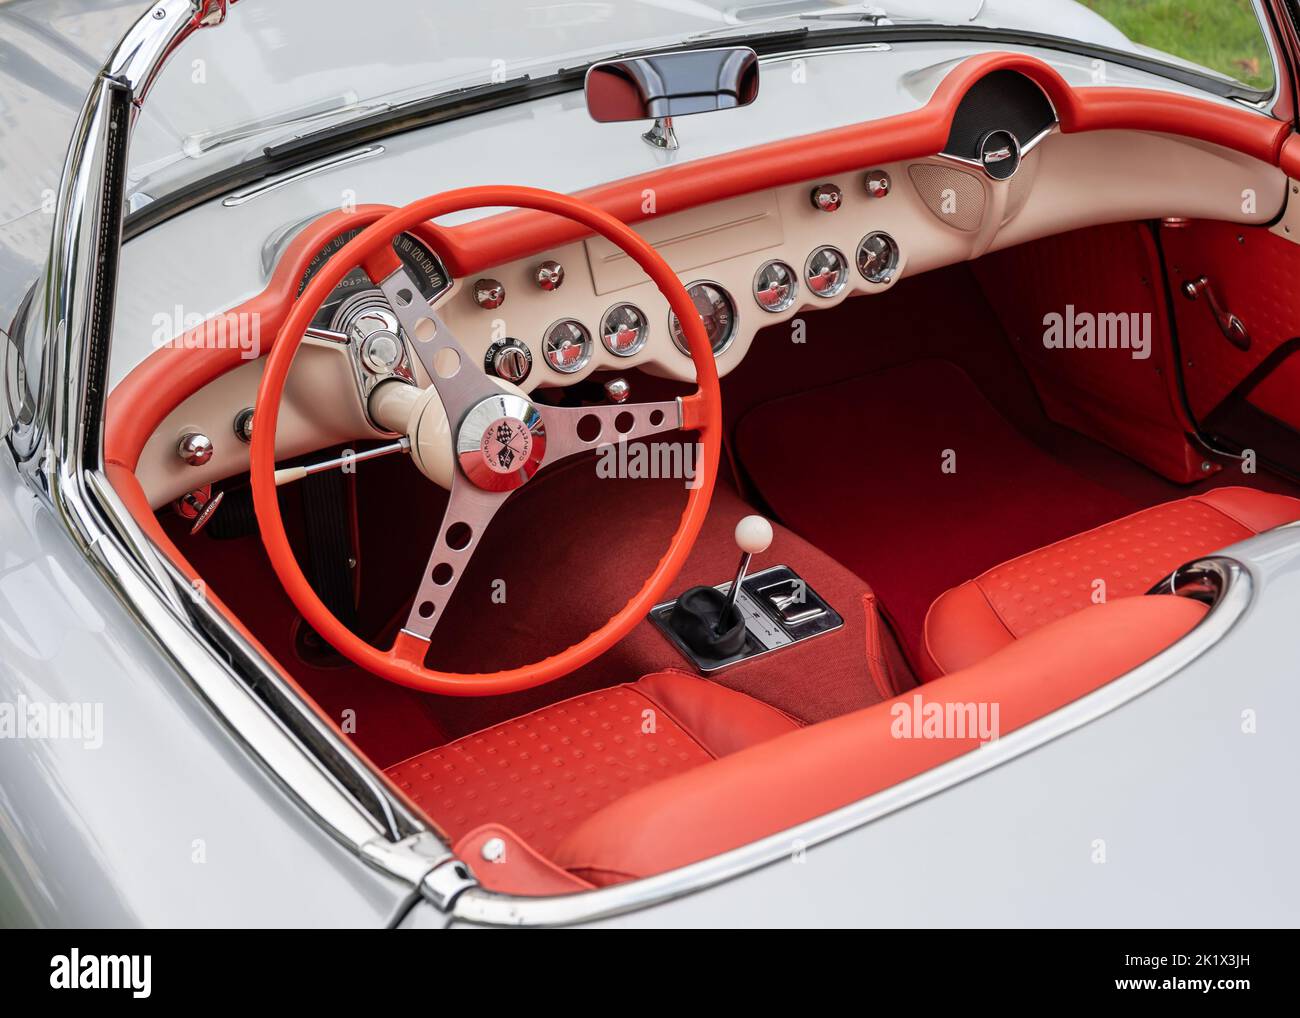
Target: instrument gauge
x: 567, y: 346
x: 775, y: 286
x: 716, y: 310
x: 425, y: 268
x: 877, y: 257
x: 826, y: 272
x: 624, y: 330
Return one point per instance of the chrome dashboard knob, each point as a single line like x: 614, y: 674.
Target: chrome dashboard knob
x: 489, y: 293
x: 827, y: 197
x: 550, y: 275
x: 194, y: 448
x: 618, y: 390
x: 878, y: 183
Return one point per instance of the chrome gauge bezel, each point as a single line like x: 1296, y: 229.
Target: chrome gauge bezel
x: 844, y: 271
x: 790, y: 297
x: 674, y: 329
x: 641, y: 339
x: 887, y: 276
x: 547, y: 346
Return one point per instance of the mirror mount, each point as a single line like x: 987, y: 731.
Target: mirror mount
x: 661, y: 86
x: 662, y: 135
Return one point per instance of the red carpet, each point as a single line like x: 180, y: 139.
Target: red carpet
x: 857, y: 468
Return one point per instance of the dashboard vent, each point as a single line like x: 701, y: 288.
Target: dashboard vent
x: 1001, y: 101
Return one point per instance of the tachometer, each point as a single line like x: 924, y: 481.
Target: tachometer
x: 425, y: 267
x: 716, y: 310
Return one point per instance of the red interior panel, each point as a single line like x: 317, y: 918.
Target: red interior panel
x: 1254, y: 273
x: 1130, y: 404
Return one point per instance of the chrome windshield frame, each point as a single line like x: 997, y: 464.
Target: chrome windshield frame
x: 60, y: 453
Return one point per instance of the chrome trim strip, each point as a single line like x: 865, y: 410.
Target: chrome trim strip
x: 1266, y: 28
x: 299, y: 750
x: 237, y: 198
x: 483, y: 907
x: 973, y: 164
x: 1033, y: 142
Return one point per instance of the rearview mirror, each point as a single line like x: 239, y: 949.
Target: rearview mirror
x: 665, y: 85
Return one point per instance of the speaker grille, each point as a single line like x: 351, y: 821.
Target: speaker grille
x: 954, y: 196
x: 1004, y: 100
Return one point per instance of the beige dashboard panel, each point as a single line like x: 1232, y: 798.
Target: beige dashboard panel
x: 1067, y: 182
x: 710, y: 234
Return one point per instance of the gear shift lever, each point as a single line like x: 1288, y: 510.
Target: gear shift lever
x: 753, y: 537
x: 704, y: 618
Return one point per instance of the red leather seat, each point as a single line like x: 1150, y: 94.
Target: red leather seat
x: 631, y: 781
x: 545, y: 773
x: 969, y: 622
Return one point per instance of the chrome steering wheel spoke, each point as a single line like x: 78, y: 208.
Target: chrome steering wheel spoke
x: 469, y: 511
x: 574, y: 430
x: 459, y: 381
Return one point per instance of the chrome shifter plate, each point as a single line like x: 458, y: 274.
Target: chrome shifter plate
x: 765, y: 630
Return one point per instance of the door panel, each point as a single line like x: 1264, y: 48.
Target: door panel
x: 1243, y: 398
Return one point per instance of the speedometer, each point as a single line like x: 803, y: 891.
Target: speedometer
x: 424, y: 266
x: 716, y: 310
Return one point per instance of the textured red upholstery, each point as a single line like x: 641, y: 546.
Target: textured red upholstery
x: 546, y: 772
x: 785, y: 781
x: 969, y: 622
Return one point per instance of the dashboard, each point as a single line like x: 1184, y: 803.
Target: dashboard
x: 1005, y: 175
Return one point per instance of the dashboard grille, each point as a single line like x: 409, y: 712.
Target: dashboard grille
x: 955, y: 197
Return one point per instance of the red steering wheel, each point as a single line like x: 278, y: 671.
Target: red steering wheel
x: 500, y: 442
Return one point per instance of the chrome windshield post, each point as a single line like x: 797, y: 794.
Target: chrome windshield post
x: 60, y: 450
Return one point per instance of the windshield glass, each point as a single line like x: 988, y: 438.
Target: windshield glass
x: 1221, y: 35
x: 279, y: 69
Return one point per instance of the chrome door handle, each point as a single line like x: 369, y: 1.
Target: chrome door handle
x: 1232, y: 327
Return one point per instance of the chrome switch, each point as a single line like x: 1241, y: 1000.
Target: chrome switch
x: 790, y: 601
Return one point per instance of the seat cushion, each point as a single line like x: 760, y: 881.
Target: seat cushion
x: 969, y: 622
x: 776, y: 784
x: 544, y: 773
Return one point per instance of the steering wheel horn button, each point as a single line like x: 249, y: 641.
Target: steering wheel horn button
x: 501, y: 442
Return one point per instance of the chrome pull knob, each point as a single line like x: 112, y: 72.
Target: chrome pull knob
x: 618, y: 390
x: 878, y: 183
x: 489, y: 293
x: 827, y: 197
x: 1232, y: 327
x: 194, y: 449
x: 198, y: 506
x: 550, y: 275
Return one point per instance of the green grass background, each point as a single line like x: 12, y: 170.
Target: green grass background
x: 1223, y: 35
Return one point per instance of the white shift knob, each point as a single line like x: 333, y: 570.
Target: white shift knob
x: 753, y: 535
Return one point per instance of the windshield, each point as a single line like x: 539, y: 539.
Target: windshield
x: 280, y: 69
